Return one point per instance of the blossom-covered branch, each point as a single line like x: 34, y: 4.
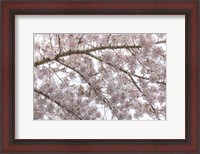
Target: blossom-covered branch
x: 59, y: 104
x: 70, y: 52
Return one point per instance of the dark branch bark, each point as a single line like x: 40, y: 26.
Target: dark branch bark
x: 159, y: 42
x: 59, y: 104
x: 59, y: 43
x: 122, y: 70
x: 154, y: 110
x: 70, y: 52
x: 73, y: 69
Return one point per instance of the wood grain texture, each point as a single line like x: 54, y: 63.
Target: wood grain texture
x: 11, y: 8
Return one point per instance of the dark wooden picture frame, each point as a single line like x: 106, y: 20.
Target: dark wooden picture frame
x: 11, y: 8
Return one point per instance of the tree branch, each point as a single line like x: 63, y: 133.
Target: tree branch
x: 122, y: 70
x: 59, y: 104
x: 70, y: 52
x: 154, y: 110
x: 159, y: 42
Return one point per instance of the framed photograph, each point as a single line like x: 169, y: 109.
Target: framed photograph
x: 83, y: 76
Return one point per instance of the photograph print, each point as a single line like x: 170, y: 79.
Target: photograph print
x: 94, y: 76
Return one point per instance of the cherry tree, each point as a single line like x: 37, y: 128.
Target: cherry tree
x: 99, y: 76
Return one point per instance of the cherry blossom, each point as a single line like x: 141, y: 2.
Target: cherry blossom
x: 99, y: 76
